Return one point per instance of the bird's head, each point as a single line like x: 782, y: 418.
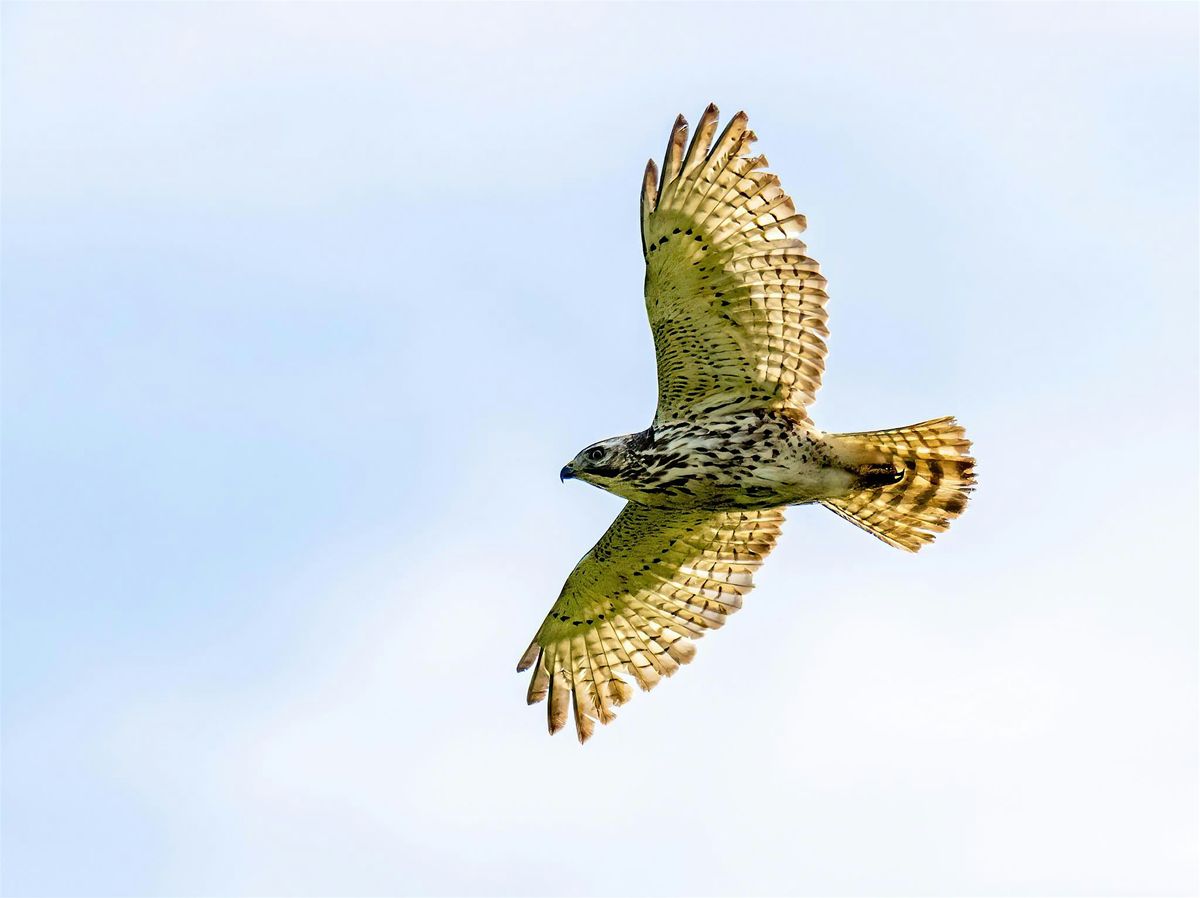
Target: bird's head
x: 608, y: 463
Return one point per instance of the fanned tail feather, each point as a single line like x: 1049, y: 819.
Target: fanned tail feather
x: 934, y: 475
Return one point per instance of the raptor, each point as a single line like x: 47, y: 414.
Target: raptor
x: 737, y: 310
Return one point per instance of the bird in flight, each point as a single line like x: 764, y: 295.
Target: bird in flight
x: 737, y: 311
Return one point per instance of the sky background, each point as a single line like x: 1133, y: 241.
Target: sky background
x: 303, y: 309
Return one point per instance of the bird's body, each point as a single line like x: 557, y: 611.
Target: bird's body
x: 737, y: 311
x: 748, y: 459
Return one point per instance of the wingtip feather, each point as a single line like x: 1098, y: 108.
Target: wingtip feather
x: 531, y: 655
x: 588, y: 674
x: 560, y: 698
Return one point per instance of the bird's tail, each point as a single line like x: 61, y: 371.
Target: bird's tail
x: 914, y: 481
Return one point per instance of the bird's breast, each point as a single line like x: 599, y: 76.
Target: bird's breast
x: 746, y: 461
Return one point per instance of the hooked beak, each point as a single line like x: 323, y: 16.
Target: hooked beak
x: 567, y: 473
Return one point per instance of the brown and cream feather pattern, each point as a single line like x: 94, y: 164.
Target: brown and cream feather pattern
x: 737, y: 310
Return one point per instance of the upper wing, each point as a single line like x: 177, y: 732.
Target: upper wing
x: 736, y: 307
x: 656, y: 578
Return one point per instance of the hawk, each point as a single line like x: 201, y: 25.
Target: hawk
x: 737, y: 311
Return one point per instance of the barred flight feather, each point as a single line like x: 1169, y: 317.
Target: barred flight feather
x: 720, y: 239
x: 608, y: 623
x: 737, y: 313
x: 937, y: 475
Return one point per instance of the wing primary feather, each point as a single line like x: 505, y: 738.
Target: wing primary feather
x: 583, y: 696
x: 560, y: 694
x: 539, y: 682
x: 601, y: 676
x: 649, y: 197
x: 727, y: 147
x: 673, y: 158
x: 735, y: 164
x: 725, y: 144
x: 702, y: 139
x: 534, y: 651
x: 584, y: 727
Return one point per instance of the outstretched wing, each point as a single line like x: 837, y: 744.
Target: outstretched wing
x: 657, y: 579
x: 736, y: 307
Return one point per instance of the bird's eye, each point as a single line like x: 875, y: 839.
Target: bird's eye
x: 595, y: 453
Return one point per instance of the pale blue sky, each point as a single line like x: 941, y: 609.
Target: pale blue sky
x: 304, y: 307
